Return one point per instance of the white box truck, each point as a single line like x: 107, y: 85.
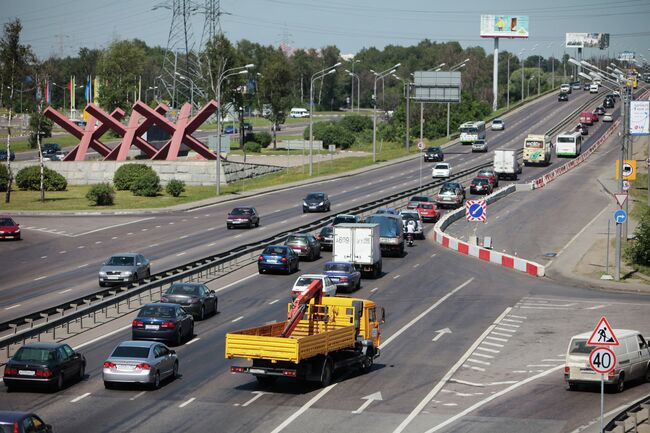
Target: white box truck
x: 358, y: 243
x: 506, y: 165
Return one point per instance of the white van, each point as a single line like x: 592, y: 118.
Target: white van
x: 593, y: 88
x: 299, y: 112
x: 632, y: 361
x: 566, y: 88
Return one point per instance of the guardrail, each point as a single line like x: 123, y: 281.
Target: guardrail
x: 631, y: 418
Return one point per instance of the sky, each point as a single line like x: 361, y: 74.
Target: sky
x: 61, y: 27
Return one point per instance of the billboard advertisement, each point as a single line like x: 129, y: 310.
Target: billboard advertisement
x: 639, y: 117
x: 437, y: 86
x: 627, y: 56
x: 587, y: 40
x: 504, y: 26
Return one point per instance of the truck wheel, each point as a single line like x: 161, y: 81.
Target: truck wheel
x: 326, y: 374
x: 265, y: 380
x: 366, y: 365
x: 570, y: 386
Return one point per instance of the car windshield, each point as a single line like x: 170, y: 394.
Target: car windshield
x: 241, y: 211
x: 410, y: 215
x: 33, y: 354
x: 579, y: 346
x: 7, y: 222
x: 315, y: 196
x: 305, y: 281
x: 326, y: 231
x: 274, y: 251
x: 447, y: 188
x: 130, y: 352
x: 420, y: 198
x: 386, y: 210
x: 157, y: 311
x: 497, y: 122
x: 485, y: 173
x: 183, y: 289
x: 480, y: 181
x: 426, y: 206
x: 441, y: 167
x: 433, y: 150
x: 121, y: 261
x: 345, y: 219
x: 341, y: 267
x: 479, y: 141
x: 295, y: 239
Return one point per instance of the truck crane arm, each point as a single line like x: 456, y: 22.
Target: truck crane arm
x: 314, y: 291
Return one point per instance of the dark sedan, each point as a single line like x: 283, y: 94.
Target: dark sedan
x: 304, y: 245
x: 195, y: 298
x: 480, y: 185
x: 243, y: 217
x: 277, y: 258
x: 316, y: 202
x: 345, y: 219
x: 433, y: 154
x: 3, y: 155
x: 562, y: 97
x: 163, y: 322
x: 344, y: 275
x: 600, y: 110
x: 48, y: 364
x: 22, y: 422
x: 9, y: 229
x: 326, y: 238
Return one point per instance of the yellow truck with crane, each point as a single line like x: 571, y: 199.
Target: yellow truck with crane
x: 321, y: 335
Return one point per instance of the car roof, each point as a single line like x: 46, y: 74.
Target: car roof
x: 332, y: 262
x: 180, y: 283
x: 125, y: 254
x: 43, y: 345
x: 345, y: 215
x: 139, y: 343
x: 12, y: 415
x: 161, y: 304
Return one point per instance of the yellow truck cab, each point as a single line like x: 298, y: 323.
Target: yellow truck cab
x: 537, y: 149
x: 339, y: 332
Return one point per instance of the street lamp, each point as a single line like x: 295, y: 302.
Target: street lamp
x: 318, y: 75
x: 353, y: 75
x: 523, y: 73
x: 225, y: 74
x: 146, y: 92
x: 528, y: 86
x: 407, y: 95
x: 461, y: 65
x: 378, y: 76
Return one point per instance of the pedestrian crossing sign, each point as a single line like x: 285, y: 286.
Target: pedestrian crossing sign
x: 603, y: 335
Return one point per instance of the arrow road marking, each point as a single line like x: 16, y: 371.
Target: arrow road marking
x: 440, y: 333
x: 368, y: 400
x: 259, y: 394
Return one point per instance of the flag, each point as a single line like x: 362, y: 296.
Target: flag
x: 73, y: 99
x: 48, y: 93
x: 96, y: 91
x: 87, y: 91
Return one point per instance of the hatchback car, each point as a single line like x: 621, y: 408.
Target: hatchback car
x: 326, y: 238
x: 433, y: 154
x: 9, y: 229
x: 600, y: 110
x: 585, y: 86
x: 144, y: 362
x: 50, y: 148
x: 277, y: 258
x: 608, y: 103
x: 346, y: 277
x: 413, y: 215
x: 195, y: 298
x: 413, y: 201
x: 582, y: 129
x: 303, y: 281
x: 480, y: 185
x: 22, y: 422
x: 345, y: 218
x: 442, y: 169
x: 124, y: 268
x: 480, y: 145
x: 428, y: 211
x: 498, y: 125
x: 229, y: 129
x: 316, y: 202
x: 163, y: 322
x: 305, y: 245
x: 607, y: 117
x: 44, y: 364
x: 243, y: 217
x: 490, y: 174
x: 563, y: 97
x: 452, y: 194
x: 247, y: 126
x: 3, y: 155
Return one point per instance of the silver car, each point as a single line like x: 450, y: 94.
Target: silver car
x: 479, y: 146
x: 145, y: 362
x: 124, y: 268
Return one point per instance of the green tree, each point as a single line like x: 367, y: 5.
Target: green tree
x: 120, y: 67
x: 38, y: 124
x: 276, y: 88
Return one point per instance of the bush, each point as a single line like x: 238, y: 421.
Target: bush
x: 29, y: 178
x: 252, y: 147
x: 175, y: 187
x: 638, y: 251
x: 356, y: 123
x: 128, y: 173
x: 263, y: 138
x: 146, y: 185
x: 101, y: 194
x: 4, y: 178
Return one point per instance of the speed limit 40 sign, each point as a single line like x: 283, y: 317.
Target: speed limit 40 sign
x: 602, y: 360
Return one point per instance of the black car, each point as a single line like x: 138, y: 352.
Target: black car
x: 586, y: 86
x: 433, y: 154
x: 3, y: 155
x: 316, y: 202
x: 163, y: 322
x: 51, y: 148
x: 563, y: 97
x: 305, y: 245
x: 345, y: 219
x: 600, y: 110
x: 247, y: 126
x: 326, y: 238
x: 45, y: 364
x: 609, y: 102
x: 582, y: 128
x: 22, y: 422
x: 195, y: 298
x: 243, y: 217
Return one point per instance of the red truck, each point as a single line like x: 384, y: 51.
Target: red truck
x: 588, y: 118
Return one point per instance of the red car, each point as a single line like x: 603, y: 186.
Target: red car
x: 490, y: 174
x: 428, y: 211
x: 8, y: 228
x: 587, y: 118
x: 481, y: 185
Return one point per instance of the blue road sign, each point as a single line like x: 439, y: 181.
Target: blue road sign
x: 476, y: 210
x: 620, y: 216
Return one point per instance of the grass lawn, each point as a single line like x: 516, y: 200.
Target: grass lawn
x: 639, y: 198
x: 23, y: 145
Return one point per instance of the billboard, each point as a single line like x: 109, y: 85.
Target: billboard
x: 627, y: 56
x: 639, y: 117
x: 587, y: 40
x: 436, y: 86
x: 504, y: 26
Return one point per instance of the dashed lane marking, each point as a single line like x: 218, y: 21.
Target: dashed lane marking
x: 65, y: 291
x: 496, y: 339
x: 113, y: 226
x: 83, y: 266
x: 238, y: 319
x: 81, y: 246
x: 193, y: 340
x: 506, y: 330
x: 40, y: 278
x: 482, y: 355
x: 153, y: 245
x: 596, y: 307
x: 493, y: 344
x: 81, y: 397
x: 187, y: 402
x: 502, y: 334
x: 375, y: 289
x: 481, y: 385
x: 212, y: 244
x: 12, y: 307
x: 114, y: 237
x: 539, y: 365
x: 43, y: 257
x: 395, y: 277
x: 181, y: 254
x: 273, y: 301
x: 140, y: 394
x: 183, y: 237
x: 129, y: 234
x: 62, y: 252
x: 477, y: 361
x: 98, y: 242
x: 471, y: 367
x: 485, y: 349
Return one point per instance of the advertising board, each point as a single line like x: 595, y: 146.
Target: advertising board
x: 587, y: 40
x: 639, y: 117
x: 504, y: 26
x: 432, y: 86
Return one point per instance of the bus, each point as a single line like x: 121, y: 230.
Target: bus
x: 568, y: 144
x: 537, y: 149
x: 471, y: 131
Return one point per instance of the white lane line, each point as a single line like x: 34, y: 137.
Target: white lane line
x: 62, y: 252
x: 433, y: 255
x: 94, y: 340
x: 144, y: 230
x: 12, y: 307
x: 273, y: 301
x: 183, y: 237
x: 40, y: 278
x: 492, y: 397
x: 238, y: 236
x: 212, y: 244
x: 43, y: 257
x: 508, y: 324
x: 481, y: 385
x: 471, y: 367
x: 187, y: 402
x: 181, y: 254
x: 193, y: 340
x: 81, y: 247
x: 99, y: 242
x: 506, y: 330
x: 517, y: 317
x: 258, y: 394
x: 424, y: 313
x: 83, y: 266
x: 113, y: 226
x: 513, y: 320
x: 497, y: 339
x: 114, y: 237
x: 210, y: 229
x: 140, y: 394
x: 65, y: 291
x: 171, y: 223
x: 595, y: 307
x: 395, y: 277
x: 485, y: 349
x: 303, y: 409
x: 237, y: 319
x: 478, y: 361
x: 461, y: 394
x: 450, y: 404
x: 153, y: 245
x: 81, y: 397
x: 482, y: 355
x: 237, y: 282
x: 436, y: 389
x: 416, y: 265
x: 158, y: 227
x: 502, y: 334
x: 375, y: 289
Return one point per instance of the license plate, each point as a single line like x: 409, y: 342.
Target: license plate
x: 27, y: 373
x: 152, y: 327
x: 124, y: 367
x: 296, y: 250
x: 272, y: 260
x: 256, y: 371
x: 587, y: 371
x: 313, y: 207
x: 113, y: 277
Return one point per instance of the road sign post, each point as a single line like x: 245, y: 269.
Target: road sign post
x: 476, y: 210
x: 421, y: 147
x: 602, y: 359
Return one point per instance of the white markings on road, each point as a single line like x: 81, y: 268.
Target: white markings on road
x: 83, y: 266
x: 501, y: 334
x: 284, y: 221
x: 496, y: 339
x: 273, y: 301
x: 450, y: 404
x: 193, y: 340
x: 303, y: 409
x: 481, y: 385
x: 114, y: 237
x: 368, y: 400
x: 395, y: 277
x: 12, y: 307
x: 483, y: 355
x: 237, y: 282
x: 517, y: 317
x: 62, y: 252
x: 65, y: 291
x: 81, y: 247
x: 185, y: 403
x: 40, y: 278
x: 212, y: 244
x: 493, y: 344
x: 433, y: 255
x: 508, y: 324
x: 183, y: 237
x: 43, y: 257
x: 485, y: 349
x: 478, y: 361
x: 258, y: 394
x: 113, y: 226
x: 440, y: 333
x: 471, y: 367
x: 210, y: 229
x: 144, y: 230
x: 554, y: 360
x: 171, y: 223
x: 238, y: 236
x: 81, y: 397
x: 153, y: 245
x: 461, y: 394
x: 595, y: 307
x: 181, y: 254
x: 99, y: 242
x: 158, y: 227
x: 504, y: 329
x: 237, y: 319
x: 416, y: 265
x: 140, y: 394
x: 375, y: 289
x: 513, y: 320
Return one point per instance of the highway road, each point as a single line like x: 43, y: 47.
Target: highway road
x: 60, y: 255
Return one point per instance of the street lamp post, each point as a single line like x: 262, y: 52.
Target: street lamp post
x: 508, y: 84
x: 522, y: 74
x: 318, y: 75
x: 182, y: 77
x: 378, y: 76
x: 146, y: 92
x: 407, y: 95
x: 453, y: 68
x: 528, y: 86
x: 355, y: 76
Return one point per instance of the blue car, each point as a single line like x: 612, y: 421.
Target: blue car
x: 344, y: 275
x: 229, y: 129
x: 278, y: 258
x: 163, y: 322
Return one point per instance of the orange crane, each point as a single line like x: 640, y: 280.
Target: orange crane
x: 298, y: 306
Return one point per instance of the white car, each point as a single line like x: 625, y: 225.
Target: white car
x: 498, y: 125
x: 442, y: 169
x: 408, y: 214
x: 303, y: 281
x: 593, y: 88
x: 480, y: 145
x: 616, y: 93
x: 607, y: 117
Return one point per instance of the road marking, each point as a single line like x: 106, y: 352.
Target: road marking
x: 62, y: 252
x: 144, y: 230
x: 40, y: 278
x: 210, y: 229
x: 158, y: 227
x: 13, y: 306
x: 196, y: 218
x: 461, y: 361
x: 181, y: 254
x: 83, y: 266
x: 81, y: 397
x: 450, y: 404
x: 513, y: 320
x: 171, y: 223
x: 478, y: 361
x: 508, y: 324
x: 193, y: 340
x: 481, y: 385
x: 81, y: 246
x: 212, y: 244
x: 504, y: 329
x: 94, y: 340
x: 485, y: 349
x: 461, y: 394
x: 433, y: 255
x: 114, y: 237
x: 187, y: 402
x: 502, y: 334
x: 99, y: 242
x: 113, y: 226
x: 517, y: 317
x: 183, y: 237
x: 424, y: 313
x: 416, y: 265
x: 596, y: 307
x: 375, y: 289
x: 395, y: 277
x: 140, y: 394
x: 471, y: 367
x: 237, y: 282
x: 258, y: 395
x: 238, y: 236
x: 497, y: 339
x: 43, y: 257
x: 237, y: 319
x: 304, y: 408
x: 65, y: 291
x: 153, y: 245
x: 482, y: 355
x: 273, y: 301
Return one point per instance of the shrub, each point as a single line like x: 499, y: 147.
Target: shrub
x: 263, y: 138
x: 29, y: 178
x: 175, y: 187
x: 146, y: 185
x: 638, y: 251
x: 252, y: 147
x: 128, y: 173
x: 356, y: 123
x: 4, y: 178
x: 101, y: 194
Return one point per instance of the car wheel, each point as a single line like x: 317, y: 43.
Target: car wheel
x: 82, y: 372
x: 102, y: 284
x: 109, y: 385
x: 366, y: 364
x: 257, y: 224
x: 202, y: 314
x: 358, y: 286
x: 216, y: 305
x: 135, y: 279
x: 570, y: 386
x: 175, y: 370
x: 326, y: 374
x: 620, y: 383
x: 179, y: 338
x: 190, y: 334
x: 261, y: 271
x: 58, y: 386
x: 156, y: 381
x: 228, y: 226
